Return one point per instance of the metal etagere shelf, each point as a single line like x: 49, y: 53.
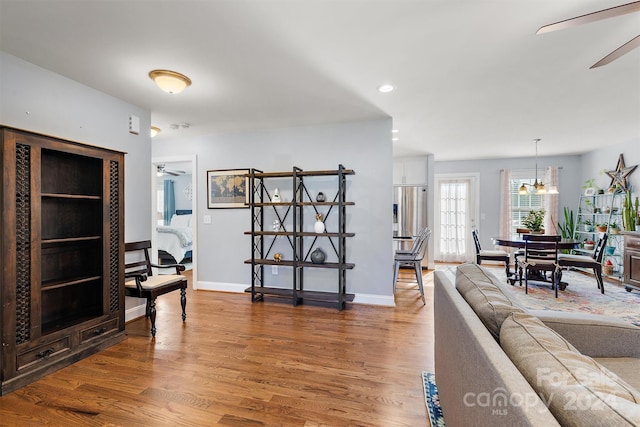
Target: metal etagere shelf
x: 599, y: 214
x: 290, y: 221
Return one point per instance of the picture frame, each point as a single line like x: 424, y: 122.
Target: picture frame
x: 227, y: 188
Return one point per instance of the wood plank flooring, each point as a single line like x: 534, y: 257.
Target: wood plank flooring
x: 234, y: 363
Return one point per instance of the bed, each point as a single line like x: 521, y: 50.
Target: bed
x: 175, y: 243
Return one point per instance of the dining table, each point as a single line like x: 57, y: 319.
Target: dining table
x: 518, y: 242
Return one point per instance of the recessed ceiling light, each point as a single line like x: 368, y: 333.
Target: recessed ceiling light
x: 395, y: 139
x: 385, y: 88
x: 394, y: 130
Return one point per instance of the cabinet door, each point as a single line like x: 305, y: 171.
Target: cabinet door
x: 410, y: 170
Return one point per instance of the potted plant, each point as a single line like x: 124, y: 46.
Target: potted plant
x: 567, y: 228
x: 533, y: 221
x: 607, y: 268
x: 614, y: 228
x: 590, y: 187
x: 587, y: 225
x: 601, y: 228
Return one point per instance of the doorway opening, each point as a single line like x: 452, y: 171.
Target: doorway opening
x: 174, y: 212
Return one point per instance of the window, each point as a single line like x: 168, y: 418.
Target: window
x: 522, y: 204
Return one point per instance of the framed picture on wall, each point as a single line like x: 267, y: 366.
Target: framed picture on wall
x: 227, y: 188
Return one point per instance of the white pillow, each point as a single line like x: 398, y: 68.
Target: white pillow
x: 181, y: 220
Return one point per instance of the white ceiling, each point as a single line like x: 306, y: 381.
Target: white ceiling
x: 473, y: 79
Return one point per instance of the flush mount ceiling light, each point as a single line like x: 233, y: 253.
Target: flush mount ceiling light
x: 154, y: 131
x: 385, y: 88
x: 170, y: 81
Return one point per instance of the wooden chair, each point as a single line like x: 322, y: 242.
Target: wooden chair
x: 141, y: 283
x: 490, y: 255
x: 585, y: 261
x: 541, y: 255
x: 413, y: 259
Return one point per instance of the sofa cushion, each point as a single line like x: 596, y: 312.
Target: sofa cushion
x: 486, y: 296
x: 578, y: 390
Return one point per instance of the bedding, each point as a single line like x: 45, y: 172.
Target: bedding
x: 176, y: 239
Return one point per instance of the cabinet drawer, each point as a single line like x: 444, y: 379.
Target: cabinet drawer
x: 43, y: 352
x: 98, y: 330
x: 632, y: 243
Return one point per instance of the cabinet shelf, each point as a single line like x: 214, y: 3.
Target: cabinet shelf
x: 299, y: 233
x: 308, y: 295
x: 288, y: 263
x: 70, y: 239
x: 55, y: 284
x: 71, y: 196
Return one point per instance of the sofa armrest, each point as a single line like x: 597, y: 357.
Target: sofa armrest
x: 594, y: 335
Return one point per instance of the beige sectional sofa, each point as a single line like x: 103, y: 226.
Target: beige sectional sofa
x: 499, y: 364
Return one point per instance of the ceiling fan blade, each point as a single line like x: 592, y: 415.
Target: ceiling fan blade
x: 591, y: 17
x: 168, y: 172
x: 622, y: 50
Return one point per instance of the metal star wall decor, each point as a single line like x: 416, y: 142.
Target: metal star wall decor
x: 620, y: 174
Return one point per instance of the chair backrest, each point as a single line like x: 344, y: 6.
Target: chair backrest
x: 598, y: 252
x: 416, y: 240
x: 541, y: 247
x: 138, y: 266
x: 422, y: 250
x: 476, y: 240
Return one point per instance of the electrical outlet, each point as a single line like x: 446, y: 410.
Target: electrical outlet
x: 274, y: 270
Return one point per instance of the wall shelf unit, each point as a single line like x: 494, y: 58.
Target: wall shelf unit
x: 290, y: 230
x: 604, y: 210
x: 62, y: 290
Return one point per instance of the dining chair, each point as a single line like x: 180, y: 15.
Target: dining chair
x: 413, y: 259
x: 541, y: 255
x: 593, y: 261
x: 490, y: 255
x: 416, y: 239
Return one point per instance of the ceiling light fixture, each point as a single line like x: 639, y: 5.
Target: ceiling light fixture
x: 395, y: 139
x: 154, y: 131
x: 394, y: 130
x: 170, y: 81
x: 539, y: 186
x: 385, y: 88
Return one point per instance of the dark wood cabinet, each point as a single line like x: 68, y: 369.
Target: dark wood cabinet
x: 293, y: 222
x: 631, y: 276
x: 62, y: 253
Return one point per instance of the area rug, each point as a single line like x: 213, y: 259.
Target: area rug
x: 580, y: 295
x: 431, y: 399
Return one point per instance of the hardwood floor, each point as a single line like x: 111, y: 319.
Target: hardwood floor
x: 240, y: 364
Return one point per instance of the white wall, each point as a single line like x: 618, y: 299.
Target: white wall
x: 362, y: 146
x: 38, y: 100
x: 489, y: 170
x: 594, y: 162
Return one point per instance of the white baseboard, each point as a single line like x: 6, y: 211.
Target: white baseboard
x: 372, y: 299
x: 135, y: 312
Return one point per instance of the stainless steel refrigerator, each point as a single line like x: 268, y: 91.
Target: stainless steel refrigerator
x: 409, y: 210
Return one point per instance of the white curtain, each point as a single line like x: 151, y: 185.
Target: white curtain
x: 455, y: 230
x: 551, y: 201
x: 505, y: 202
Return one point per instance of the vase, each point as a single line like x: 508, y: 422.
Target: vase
x: 318, y: 256
x: 318, y: 227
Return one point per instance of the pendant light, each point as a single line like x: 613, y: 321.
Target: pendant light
x: 538, y: 186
